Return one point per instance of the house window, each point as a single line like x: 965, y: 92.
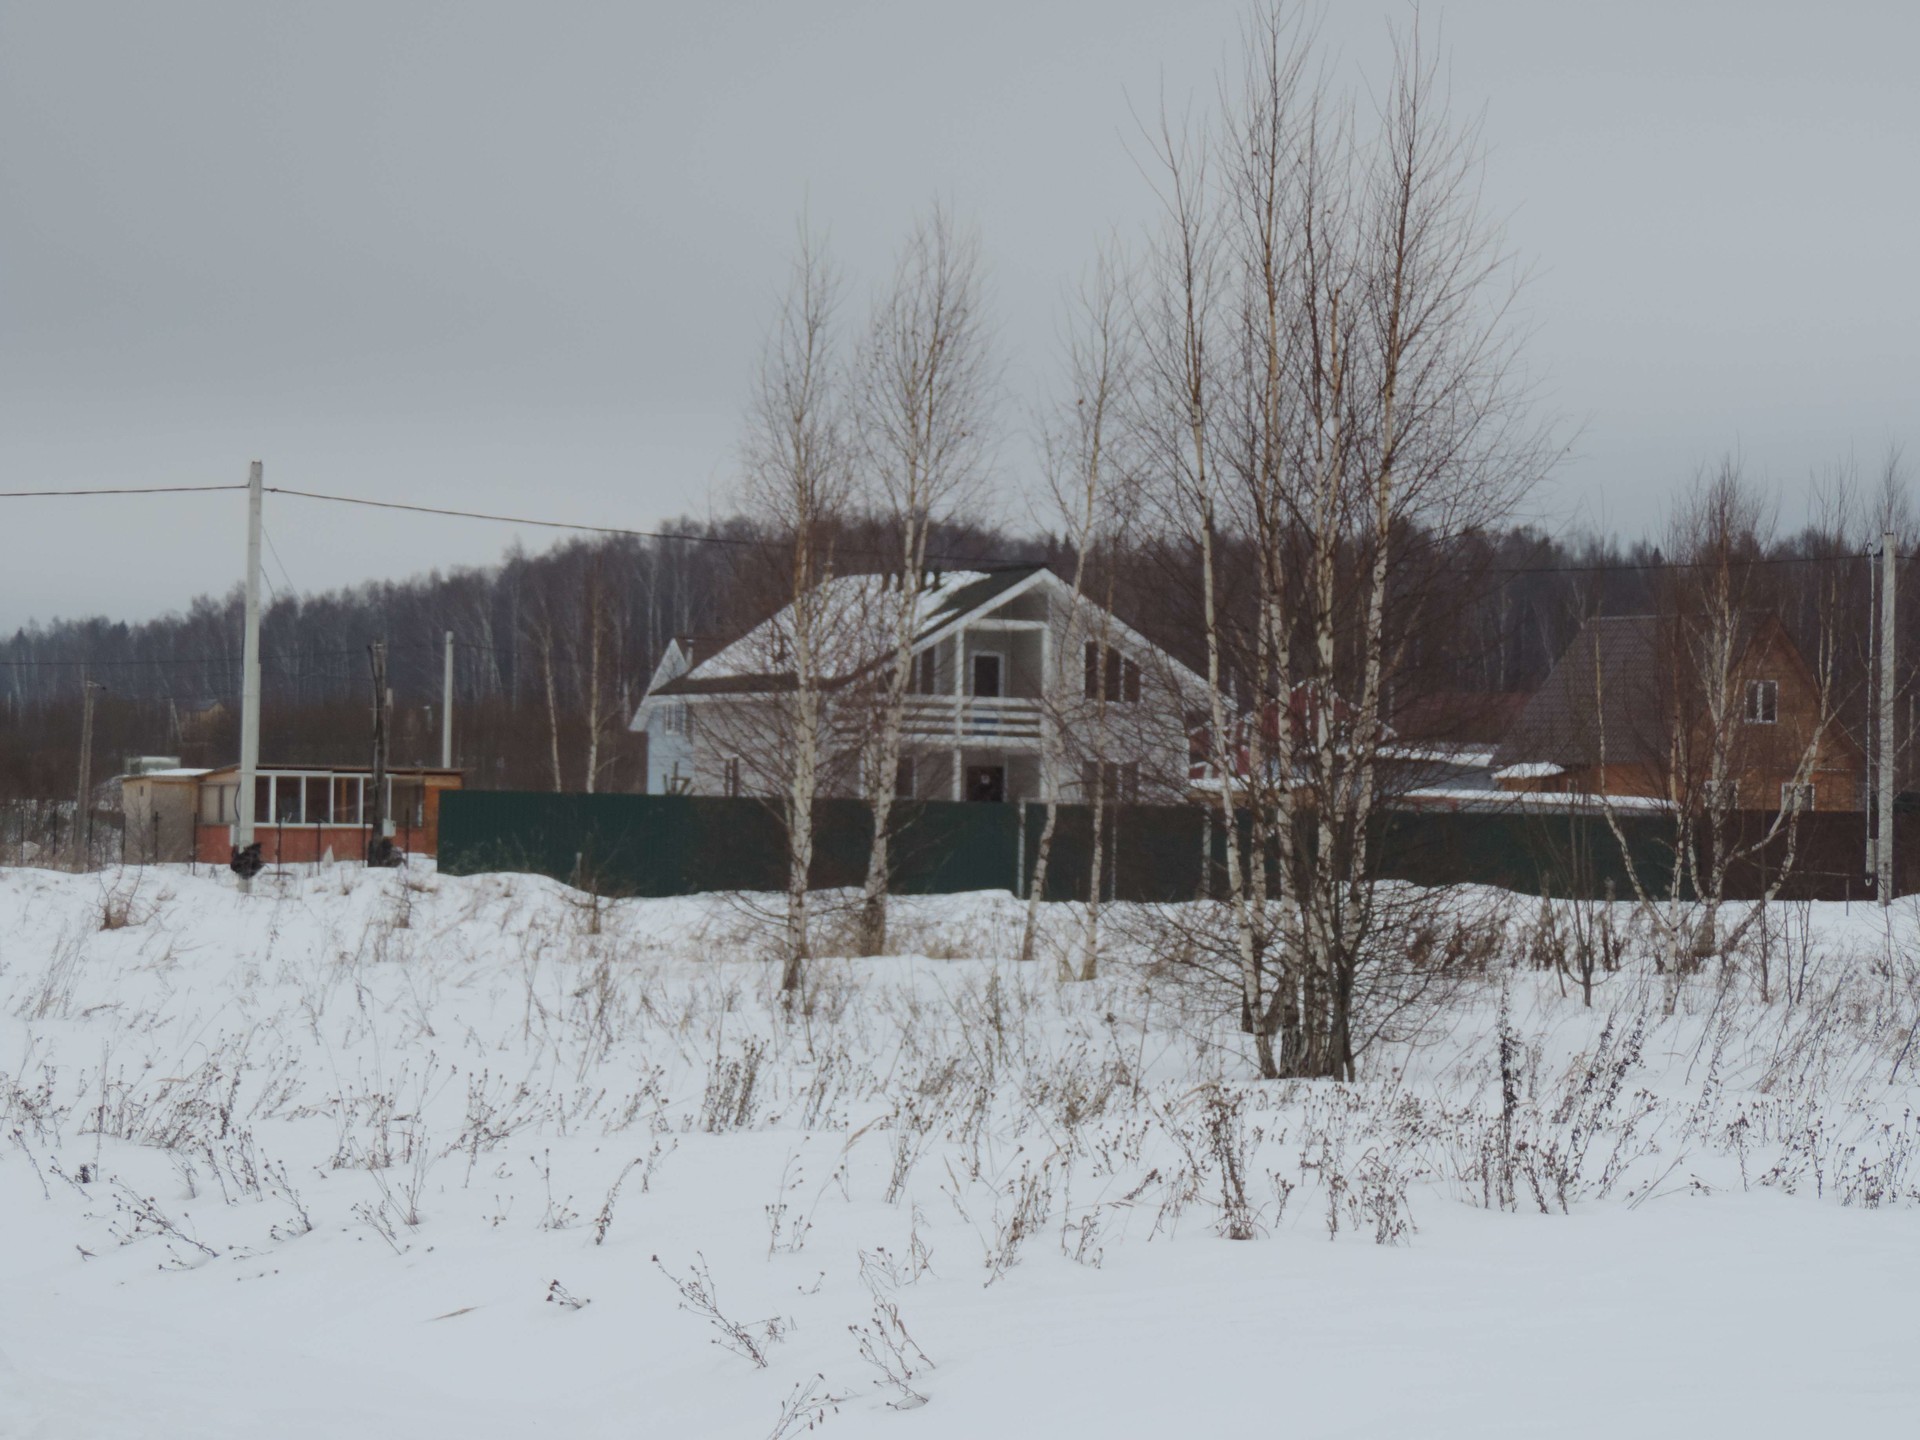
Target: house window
x: 1763, y: 702
x: 1118, y: 781
x: 731, y: 781
x: 1796, y: 797
x: 926, y: 672
x: 903, y: 779
x: 1722, y: 796
x: 1110, y: 675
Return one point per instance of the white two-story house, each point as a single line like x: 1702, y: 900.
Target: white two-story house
x: 1019, y: 692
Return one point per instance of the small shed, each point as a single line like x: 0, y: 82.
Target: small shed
x: 161, y: 807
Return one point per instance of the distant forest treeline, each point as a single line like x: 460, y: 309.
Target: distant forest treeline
x: 554, y: 649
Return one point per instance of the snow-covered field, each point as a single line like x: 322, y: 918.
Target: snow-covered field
x: 383, y: 1155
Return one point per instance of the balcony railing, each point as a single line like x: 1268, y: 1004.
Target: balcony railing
x: 971, y: 718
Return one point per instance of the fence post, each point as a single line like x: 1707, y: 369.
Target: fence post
x: 1020, y: 852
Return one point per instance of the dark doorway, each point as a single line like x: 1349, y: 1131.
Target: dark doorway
x: 986, y: 674
x: 987, y: 782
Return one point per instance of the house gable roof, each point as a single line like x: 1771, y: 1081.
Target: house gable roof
x: 739, y: 667
x: 952, y: 600
x: 1603, y: 697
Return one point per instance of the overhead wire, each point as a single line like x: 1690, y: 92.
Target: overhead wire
x: 755, y: 542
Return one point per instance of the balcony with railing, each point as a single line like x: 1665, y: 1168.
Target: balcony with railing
x: 972, y: 719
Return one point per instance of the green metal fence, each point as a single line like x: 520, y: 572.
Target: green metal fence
x: 657, y: 845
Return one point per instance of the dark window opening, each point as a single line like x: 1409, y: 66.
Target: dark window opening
x: 926, y: 672
x: 1109, y: 675
x: 1118, y: 781
x: 987, y: 783
x: 986, y: 674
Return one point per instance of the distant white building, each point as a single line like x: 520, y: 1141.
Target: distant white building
x: 1018, y: 692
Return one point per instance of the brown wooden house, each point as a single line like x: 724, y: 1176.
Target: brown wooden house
x: 1625, y: 712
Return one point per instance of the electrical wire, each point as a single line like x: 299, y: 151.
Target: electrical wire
x: 117, y: 490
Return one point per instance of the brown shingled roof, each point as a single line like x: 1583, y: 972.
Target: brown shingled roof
x: 1609, y: 689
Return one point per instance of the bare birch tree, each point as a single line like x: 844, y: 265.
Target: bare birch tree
x: 1087, y: 483
x: 796, y: 484
x: 1330, y: 347
x: 1711, y: 722
x: 922, y: 412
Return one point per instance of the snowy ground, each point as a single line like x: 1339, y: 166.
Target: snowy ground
x: 373, y: 1155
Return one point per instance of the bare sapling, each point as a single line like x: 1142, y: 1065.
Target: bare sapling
x: 1729, y: 716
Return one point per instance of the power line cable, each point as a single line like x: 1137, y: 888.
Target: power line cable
x: 750, y: 542
x: 755, y: 542
x: 117, y: 490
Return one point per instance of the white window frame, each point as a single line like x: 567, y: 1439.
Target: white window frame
x: 1807, y: 794
x: 1762, y: 702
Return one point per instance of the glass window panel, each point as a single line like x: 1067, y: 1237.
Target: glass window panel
x: 319, y: 800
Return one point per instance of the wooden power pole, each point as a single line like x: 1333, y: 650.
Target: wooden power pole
x: 245, y: 811
x: 83, y: 801
x: 1883, y: 851
x: 379, y: 844
x: 446, y: 709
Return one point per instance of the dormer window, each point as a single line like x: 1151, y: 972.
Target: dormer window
x: 1763, y: 702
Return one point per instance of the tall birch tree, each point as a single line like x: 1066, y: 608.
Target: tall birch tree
x: 924, y: 397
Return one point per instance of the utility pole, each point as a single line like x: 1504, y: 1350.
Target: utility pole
x: 244, y: 812
x: 446, y: 709
x: 378, y: 845
x: 1883, y: 853
x: 83, y: 803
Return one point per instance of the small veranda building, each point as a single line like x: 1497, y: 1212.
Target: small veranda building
x: 301, y: 813
x: 1019, y: 692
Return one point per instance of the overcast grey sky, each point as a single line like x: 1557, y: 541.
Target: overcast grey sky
x: 520, y: 256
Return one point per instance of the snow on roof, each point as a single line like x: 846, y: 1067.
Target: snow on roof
x: 1436, y: 753
x: 177, y: 772
x: 1441, y: 797
x: 854, y: 625
x: 1529, y: 770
